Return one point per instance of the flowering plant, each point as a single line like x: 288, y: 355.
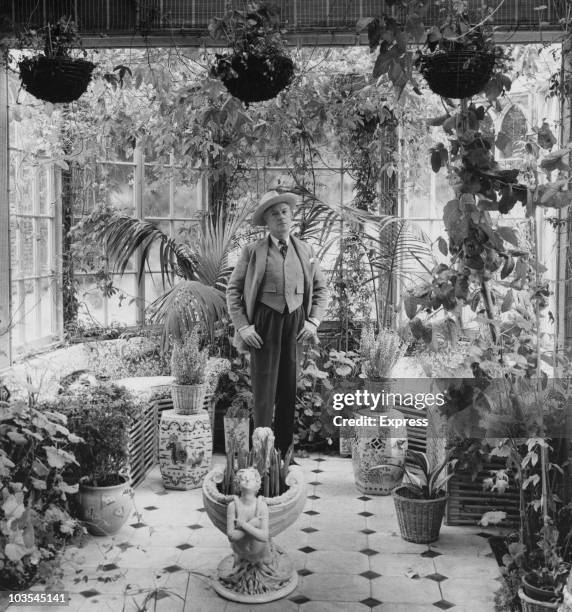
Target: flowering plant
x: 379, y: 353
x: 188, y: 362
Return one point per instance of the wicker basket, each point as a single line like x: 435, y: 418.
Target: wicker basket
x: 419, y: 519
x: 457, y: 74
x: 282, y: 510
x: 256, y: 78
x: 531, y: 605
x: 55, y: 79
x: 188, y: 399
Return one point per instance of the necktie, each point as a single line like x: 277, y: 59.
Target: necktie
x: 283, y: 248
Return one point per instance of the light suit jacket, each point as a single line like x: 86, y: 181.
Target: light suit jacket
x: 246, y: 278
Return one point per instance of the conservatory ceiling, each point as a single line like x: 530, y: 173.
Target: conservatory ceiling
x: 129, y: 23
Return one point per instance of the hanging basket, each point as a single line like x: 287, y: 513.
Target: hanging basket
x: 55, y: 79
x: 457, y: 74
x: 254, y: 78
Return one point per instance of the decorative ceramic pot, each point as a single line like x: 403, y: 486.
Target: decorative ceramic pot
x: 185, y: 449
x: 188, y: 399
x: 104, y: 510
x: 378, y: 451
x: 237, y: 432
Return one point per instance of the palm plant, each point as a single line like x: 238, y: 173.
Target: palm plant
x: 202, y: 269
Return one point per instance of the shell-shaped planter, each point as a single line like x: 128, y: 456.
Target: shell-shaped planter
x: 282, y: 510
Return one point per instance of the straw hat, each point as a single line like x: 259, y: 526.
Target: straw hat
x: 270, y: 198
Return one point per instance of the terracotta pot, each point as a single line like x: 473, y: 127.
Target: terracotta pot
x: 282, y: 510
x: 104, y: 510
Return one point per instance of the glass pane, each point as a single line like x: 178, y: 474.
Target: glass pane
x: 44, y: 262
x: 47, y: 306
x: 31, y: 303
x: 92, y: 303
x: 18, y: 313
x: 186, y: 199
x: 42, y: 175
x: 24, y: 187
x: 118, y: 186
x: 25, y: 252
x: 156, y: 189
x: 121, y: 306
x: 328, y: 186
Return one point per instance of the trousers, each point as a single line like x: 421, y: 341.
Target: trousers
x: 273, y: 371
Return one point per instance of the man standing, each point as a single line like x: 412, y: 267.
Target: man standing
x: 276, y: 296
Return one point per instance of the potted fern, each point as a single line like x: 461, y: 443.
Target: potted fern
x: 188, y: 367
x: 54, y: 75
x: 420, y: 502
x: 258, y: 65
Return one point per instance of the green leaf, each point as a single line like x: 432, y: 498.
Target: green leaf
x: 442, y: 245
x: 509, y: 234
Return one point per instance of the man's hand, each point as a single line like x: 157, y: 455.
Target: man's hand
x: 308, y: 332
x: 251, y: 338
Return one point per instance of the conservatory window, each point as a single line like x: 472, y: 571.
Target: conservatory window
x: 35, y: 251
x: 156, y: 192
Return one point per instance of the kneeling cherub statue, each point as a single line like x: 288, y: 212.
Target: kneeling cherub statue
x: 259, y: 568
x: 247, y: 520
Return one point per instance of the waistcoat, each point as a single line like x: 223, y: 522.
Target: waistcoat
x: 283, y: 282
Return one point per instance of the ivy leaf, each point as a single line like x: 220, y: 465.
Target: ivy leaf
x: 410, y: 305
x: 17, y: 437
x: 555, y: 161
x: 508, y: 267
x: 363, y: 23
x: 508, y: 234
x: 508, y: 301
x: 382, y: 64
x: 545, y: 137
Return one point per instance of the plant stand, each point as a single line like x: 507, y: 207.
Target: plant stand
x: 379, y: 445
x: 185, y: 449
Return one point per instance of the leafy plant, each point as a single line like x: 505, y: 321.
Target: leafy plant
x: 102, y: 414
x: 265, y: 458
x: 259, y: 65
x: 54, y: 39
x: 188, y: 362
x: 431, y: 481
x: 36, y: 450
x: 323, y: 373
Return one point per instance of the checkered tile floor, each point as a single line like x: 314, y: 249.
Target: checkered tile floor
x: 345, y: 546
